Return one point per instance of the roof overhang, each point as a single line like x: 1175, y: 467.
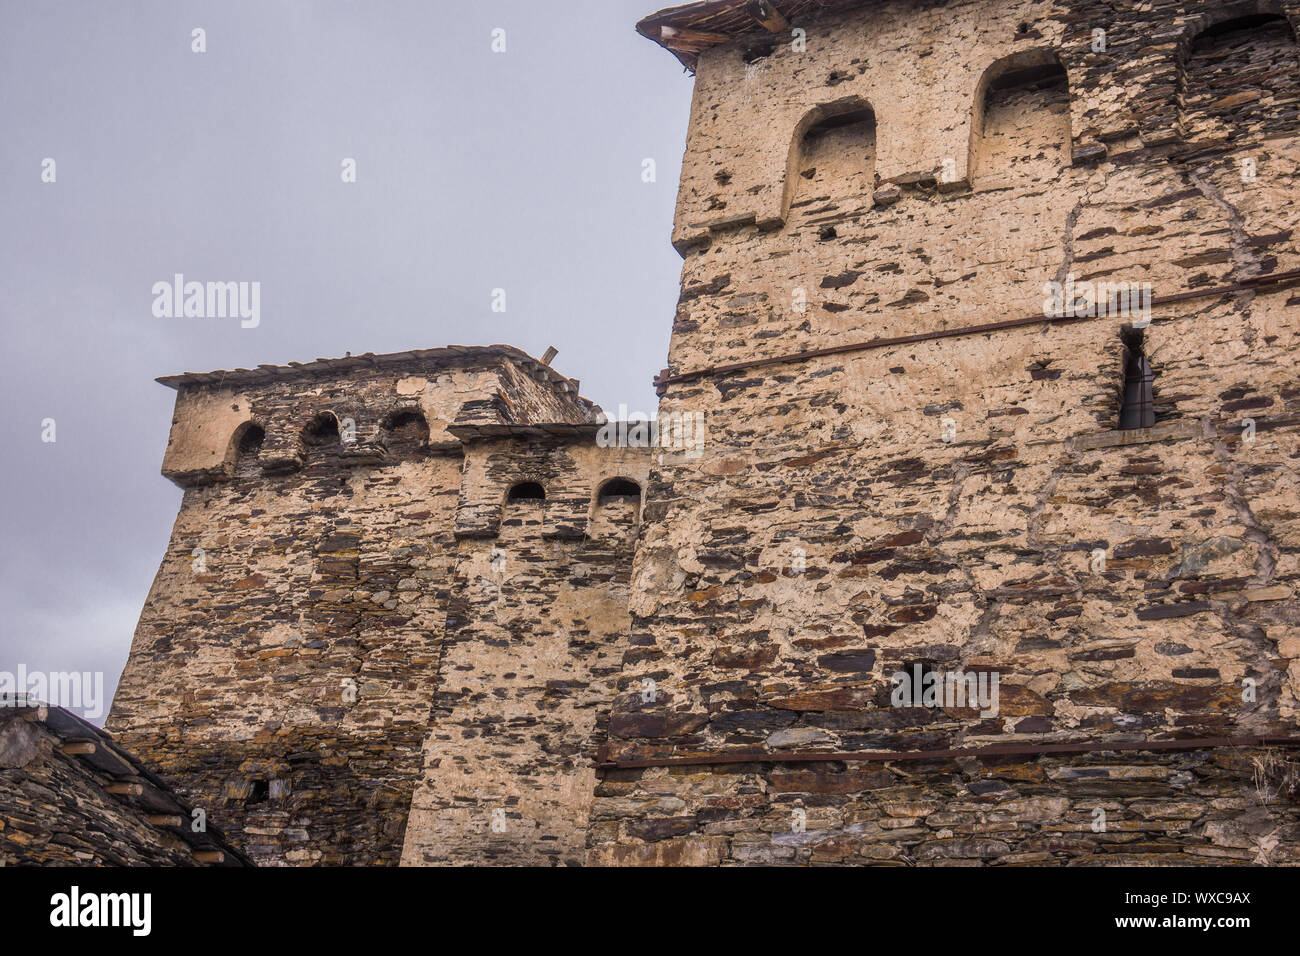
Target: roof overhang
x: 689, y: 30
x: 328, y: 367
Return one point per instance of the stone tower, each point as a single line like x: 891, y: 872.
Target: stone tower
x: 892, y: 216
x: 393, y: 598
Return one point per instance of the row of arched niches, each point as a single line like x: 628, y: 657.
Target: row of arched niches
x: 330, y: 439
x: 324, y: 444
x: 1247, y: 64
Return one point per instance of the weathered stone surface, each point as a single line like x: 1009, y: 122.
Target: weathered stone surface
x: 953, y: 502
x: 350, y: 641
x: 871, y: 539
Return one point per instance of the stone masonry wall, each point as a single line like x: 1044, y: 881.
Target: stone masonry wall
x: 537, y: 633
x: 283, y: 672
x: 941, y: 501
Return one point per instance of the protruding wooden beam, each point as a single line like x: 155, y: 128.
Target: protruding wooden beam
x: 769, y: 16
x: 209, y: 856
x: 165, y: 819
x: 690, y: 41
x: 125, y: 789
x: 78, y: 748
x: 549, y: 357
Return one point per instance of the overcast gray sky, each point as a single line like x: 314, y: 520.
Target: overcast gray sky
x: 475, y: 170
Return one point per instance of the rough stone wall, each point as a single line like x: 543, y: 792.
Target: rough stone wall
x: 536, y: 636
x: 939, y: 501
x: 282, y: 677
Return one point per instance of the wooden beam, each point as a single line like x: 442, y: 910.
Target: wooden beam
x: 125, y: 789
x: 690, y: 41
x: 995, y: 751
x: 78, y: 748
x: 165, y: 819
x: 769, y: 16
x: 1255, y: 283
x: 209, y: 856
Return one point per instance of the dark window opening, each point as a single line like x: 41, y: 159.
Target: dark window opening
x: 250, y: 440
x: 260, y: 793
x: 527, y: 491
x: 840, y: 120
x: 248, y: 446
x: 758, y: 48
x: 1138, y: 407
x: 916, y: 672
x: 618, y: 489
x: 406, y: 431
x: 1228, y: 31
x: 1033, y: 79
x: 323, y: 430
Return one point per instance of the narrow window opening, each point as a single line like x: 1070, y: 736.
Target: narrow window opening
x: 1138, y: 408
x: 527, y: 491
x: 916, y: 672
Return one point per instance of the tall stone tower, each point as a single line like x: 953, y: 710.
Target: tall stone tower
x: 947, y: 436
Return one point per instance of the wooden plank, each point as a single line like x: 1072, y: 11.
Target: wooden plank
x: 1271, y: 280
x: 690, y: 41
x: 770, y: 17
x: 747, y: 755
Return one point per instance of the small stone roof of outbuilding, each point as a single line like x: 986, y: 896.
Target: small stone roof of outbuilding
x: 121, y: 776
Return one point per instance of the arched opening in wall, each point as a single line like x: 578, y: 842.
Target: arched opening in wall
x: 321, y: 438
x: 405, y: 433
x: 833, y: 157
x: 248, y: 440
x: 1020, y: 128
x: 1137, y: 398
x: 526, y: 491
x: 1242, y: 71
x: 619, y: 491
x: 618, y: 508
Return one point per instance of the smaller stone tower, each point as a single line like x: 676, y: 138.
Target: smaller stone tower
x: 390, y: 575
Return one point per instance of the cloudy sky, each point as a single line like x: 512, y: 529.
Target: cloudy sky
x: 476, y: 170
